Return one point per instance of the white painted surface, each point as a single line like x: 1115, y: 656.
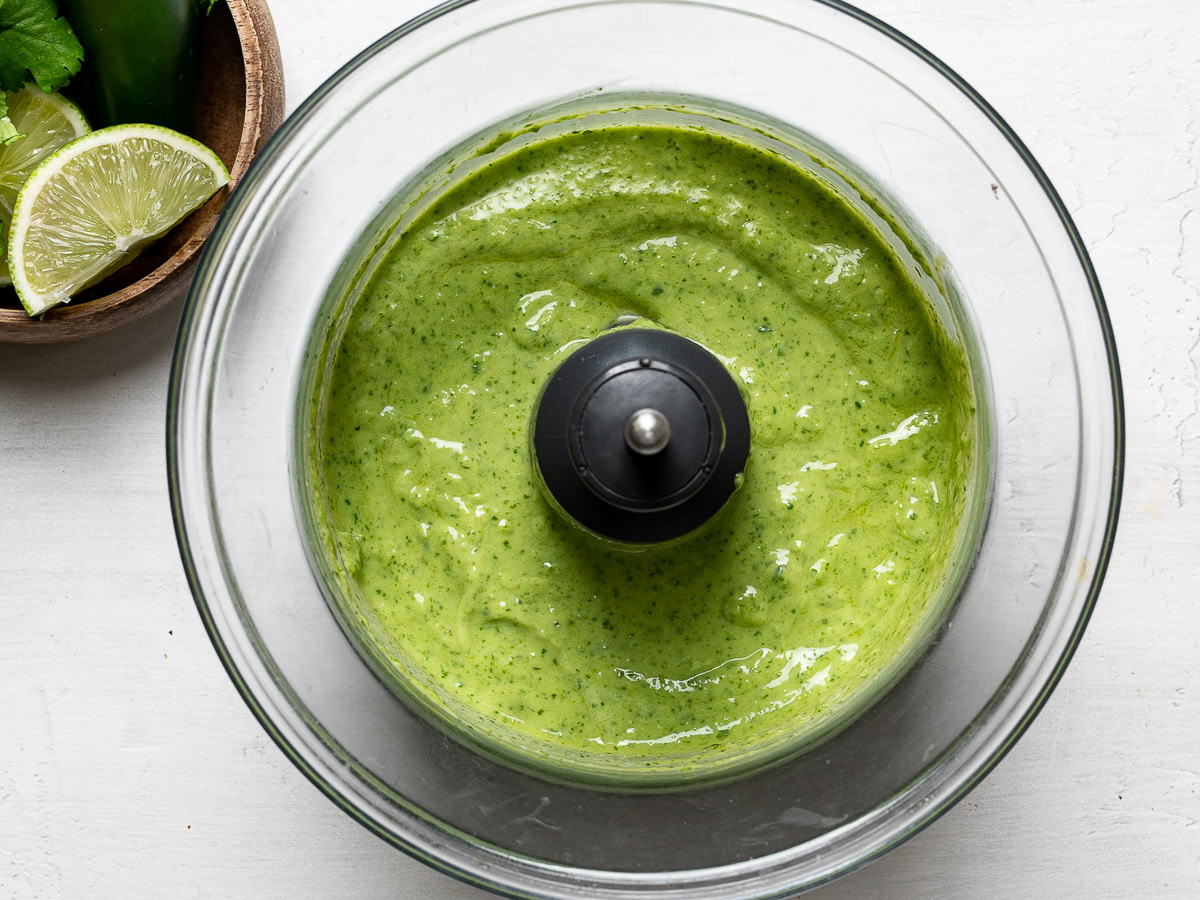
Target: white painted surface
x: 130, y: 767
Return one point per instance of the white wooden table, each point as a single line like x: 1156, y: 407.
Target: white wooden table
x: 129, y: 767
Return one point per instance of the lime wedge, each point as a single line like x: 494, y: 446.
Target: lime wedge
x: 93, y: 205
x: 48, y: 121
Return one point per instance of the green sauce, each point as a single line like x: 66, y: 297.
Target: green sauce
x: 825, y: 567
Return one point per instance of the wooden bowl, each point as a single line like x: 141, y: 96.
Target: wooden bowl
x: 241, y: 105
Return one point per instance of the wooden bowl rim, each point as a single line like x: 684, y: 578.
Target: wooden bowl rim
x: 73, y: 319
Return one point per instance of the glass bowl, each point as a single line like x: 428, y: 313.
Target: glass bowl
x: 673, y: 763
x: 922, y: 148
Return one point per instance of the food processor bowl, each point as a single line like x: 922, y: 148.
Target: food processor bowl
x: 986, y: 232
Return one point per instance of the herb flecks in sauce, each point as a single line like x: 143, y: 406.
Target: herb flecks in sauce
x: 812, y: 581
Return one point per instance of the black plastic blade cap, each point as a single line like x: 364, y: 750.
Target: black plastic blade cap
x: 590, y: 472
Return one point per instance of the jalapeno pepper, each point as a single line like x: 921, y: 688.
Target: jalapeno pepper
x: 140, y: 60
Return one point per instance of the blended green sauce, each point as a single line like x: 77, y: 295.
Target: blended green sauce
x: 819, y: 573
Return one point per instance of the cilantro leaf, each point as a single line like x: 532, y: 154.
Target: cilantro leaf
x: 36, y: 44
x: 8, y: 131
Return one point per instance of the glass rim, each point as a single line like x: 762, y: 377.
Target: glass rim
x: 966, y: 775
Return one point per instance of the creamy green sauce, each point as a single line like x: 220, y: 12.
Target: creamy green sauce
x: 821, y: 571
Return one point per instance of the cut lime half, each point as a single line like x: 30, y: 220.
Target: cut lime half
x: 48, y: 121
x: 97, y: 202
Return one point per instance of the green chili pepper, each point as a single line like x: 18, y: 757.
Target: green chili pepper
x: 140, y: 59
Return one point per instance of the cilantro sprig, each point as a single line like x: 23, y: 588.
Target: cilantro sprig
x: 36, y: 45
x: 8, y: 131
